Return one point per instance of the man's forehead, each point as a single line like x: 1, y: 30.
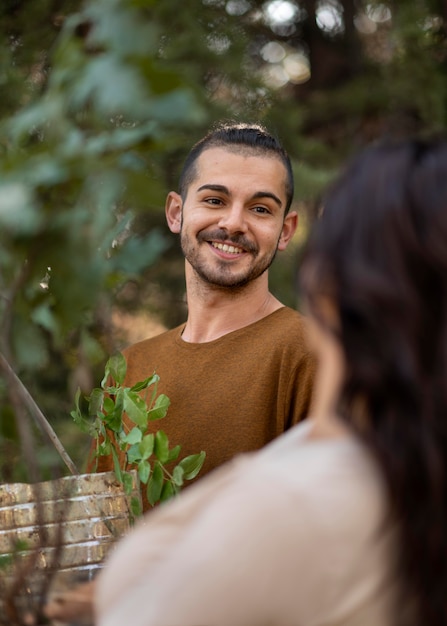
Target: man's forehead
x: 212, y: 173
x: 214, y: 155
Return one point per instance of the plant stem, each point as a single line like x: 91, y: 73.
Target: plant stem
x: 35, y: 411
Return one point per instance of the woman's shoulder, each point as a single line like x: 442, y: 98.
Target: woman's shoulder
x: 333, y: 478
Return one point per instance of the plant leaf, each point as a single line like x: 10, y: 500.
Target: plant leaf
x: 161, y: 447
x: 145, y: 383
x: 85, y: 425
x: 95, y: 402
x: 192, y: 465
x: 135, y: 408
x: 116, y: 367
x: 155, y: 484
x: 104, y: 448
x: 134, y: 436
x: 133, y: 454
x: 177, y: 475
x: 107, y: 406
x: 116, y: 465
x: 168, y: 491
x: 160, y: 408
x: 144, y: 470
x: 146, y: 446
x: 127, y: 482
x: 113, y: 417
x: 135, y: 506
x: 174, y: 453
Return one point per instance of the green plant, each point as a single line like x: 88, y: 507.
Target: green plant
x: 129, y: 441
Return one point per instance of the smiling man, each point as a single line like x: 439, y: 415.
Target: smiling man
x: 238, y: 372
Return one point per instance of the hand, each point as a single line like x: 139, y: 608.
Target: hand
x: 76, y: 604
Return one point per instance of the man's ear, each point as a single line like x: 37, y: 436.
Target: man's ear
x: 288, y: 229
x: 173, y: 210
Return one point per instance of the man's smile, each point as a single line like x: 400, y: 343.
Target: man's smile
x: 230, y: 249
x: 220, y: 240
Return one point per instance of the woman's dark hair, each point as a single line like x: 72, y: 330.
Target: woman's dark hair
x: 379, y: 251
x: 240, y: 137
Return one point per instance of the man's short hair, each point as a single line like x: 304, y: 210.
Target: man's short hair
x: 240, y: 137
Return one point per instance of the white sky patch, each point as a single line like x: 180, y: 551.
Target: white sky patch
x: 280, y: 12
x: 297, y: 67
x: 285, y: 65
x: 378, y: 13
x: 330, y: 17
x: 237, y: 7
x: 273, y: 52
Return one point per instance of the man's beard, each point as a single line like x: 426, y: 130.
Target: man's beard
x: 223, y: 276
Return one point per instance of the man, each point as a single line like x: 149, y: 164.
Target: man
x: 238, y: 372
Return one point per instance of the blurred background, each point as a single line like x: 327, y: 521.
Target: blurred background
x: 100, y: 103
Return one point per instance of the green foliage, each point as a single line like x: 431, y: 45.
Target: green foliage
x: 135, y: 447
x: 90, y: 111
x: 76, y: 168
x: 101, y: 101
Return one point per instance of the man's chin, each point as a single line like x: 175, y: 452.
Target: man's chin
x: 229, y: 282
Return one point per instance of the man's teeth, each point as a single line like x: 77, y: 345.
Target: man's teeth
x: 226, y: 248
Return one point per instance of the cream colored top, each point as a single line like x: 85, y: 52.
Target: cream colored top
x: 290, y: 535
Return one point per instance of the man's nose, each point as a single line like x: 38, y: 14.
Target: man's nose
x: 233, y: 219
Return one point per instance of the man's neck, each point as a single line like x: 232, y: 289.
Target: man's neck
x: 214, y: 312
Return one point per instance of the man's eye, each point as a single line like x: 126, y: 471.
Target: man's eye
x: 261, y: 209
x: 215, y: 201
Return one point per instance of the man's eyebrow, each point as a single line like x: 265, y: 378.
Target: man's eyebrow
x: 212, y: 187
x: 267, y: 194
x: 258, y: 194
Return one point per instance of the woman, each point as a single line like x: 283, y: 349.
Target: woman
x: 341, y: 521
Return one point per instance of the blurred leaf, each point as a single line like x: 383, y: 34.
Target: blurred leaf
x: 167, y: 492
x: 135, y: 506
x: 125, y: 94
x: 96, y: 400
x: 108, y: 403
x: 127, y: 482
x: 161, y: 447
x: 155, y: 484
x: 144, y: 470
x: 191, y: 465
x: 121, y: 28
x: 160, y: 408
x: 114, y: 418
x: 18, y: 215
x: 135, y: 408
x: 132, y: 437
x: 116, y: 465
x: 116, y: 367
x: 177, y: 475
x: 146, y: 446
x: 30, y: 346
x: 133, y: 454
x: 140, y: 386
x: 174, y: 453
x: 138, y: 253
x: 44, y: 317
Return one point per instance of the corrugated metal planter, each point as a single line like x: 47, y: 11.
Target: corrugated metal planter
x: 60, y: 529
